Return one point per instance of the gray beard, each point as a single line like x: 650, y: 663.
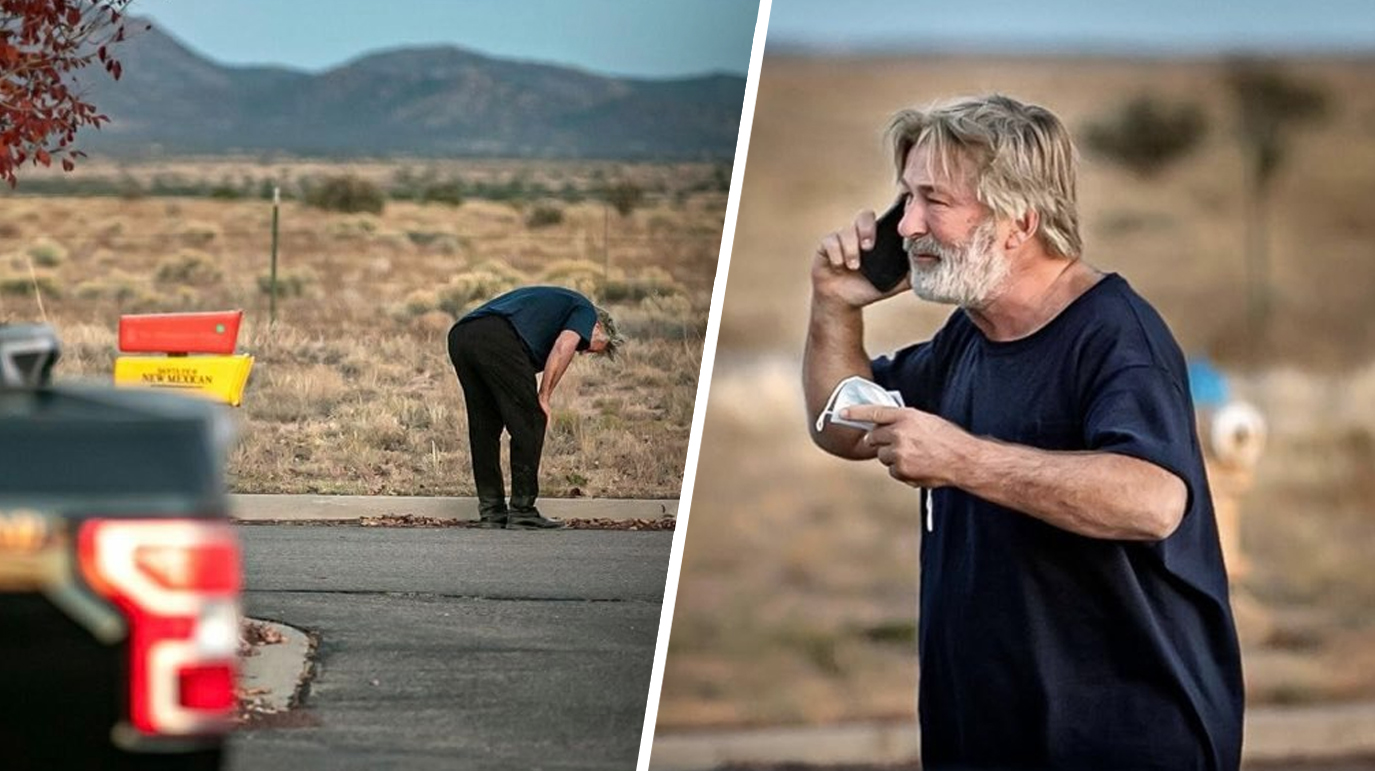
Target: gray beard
x: 969, y: 276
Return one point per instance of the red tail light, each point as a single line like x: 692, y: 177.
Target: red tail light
x: 178, y: 583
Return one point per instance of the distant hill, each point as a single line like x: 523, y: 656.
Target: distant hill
x: 438, y: 101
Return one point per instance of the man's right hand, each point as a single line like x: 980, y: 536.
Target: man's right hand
x: 835, y: 267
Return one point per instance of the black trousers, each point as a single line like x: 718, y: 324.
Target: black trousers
x: 498, y: 383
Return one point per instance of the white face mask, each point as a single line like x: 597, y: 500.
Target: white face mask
x: 853, y: 391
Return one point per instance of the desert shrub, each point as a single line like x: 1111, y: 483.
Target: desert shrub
x: 190, y: 268
x: 22, y: 284
x: 47, y: 253
x: 449, y: 192
x: 543, y: 216
x: 352, y: 227
x: 421, y: 301
x: 199, y: 233
x: 662, y: 223
x: 424, y: 237
x: 653, y: 282
x: 348, y: 193
x: 449, y: 244
x: 579, y: 275
x: 479, y: 283
x: 112, y: 227
x: 117, y: 286
x: 624, y: 196
x: 663, y: 317
x: 290, y: 283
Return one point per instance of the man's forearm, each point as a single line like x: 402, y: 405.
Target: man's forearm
x: 1095, y: 494
x: 554, y: 367
x: 834, y: 351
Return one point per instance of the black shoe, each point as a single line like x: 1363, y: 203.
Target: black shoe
x: 491, y: 512
x: 531, y: 519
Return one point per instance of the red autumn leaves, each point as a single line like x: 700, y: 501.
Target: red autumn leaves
x: 43, y: 43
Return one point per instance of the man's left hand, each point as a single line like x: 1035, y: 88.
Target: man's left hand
x: 548, y: 409
x: 918, y: 448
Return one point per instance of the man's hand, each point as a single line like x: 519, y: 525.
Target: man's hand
x: 548, y: 409
x: 1094, y: 494
x: 918, y: 448
x: 835, y: 267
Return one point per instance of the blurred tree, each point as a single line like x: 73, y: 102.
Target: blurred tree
x: 42, y: 44
x: 347, y: 193
x: 1146, y: 134
x: 624, y: 196
x: 1271, y: 105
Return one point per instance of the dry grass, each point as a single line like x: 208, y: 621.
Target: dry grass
x: 798, y: 590
x: 352, y: 391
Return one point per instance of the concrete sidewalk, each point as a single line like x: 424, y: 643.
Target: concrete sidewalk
x: 303, y: 508
x: 1272, y: 734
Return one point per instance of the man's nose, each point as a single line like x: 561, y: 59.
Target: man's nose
x: 913, y: 222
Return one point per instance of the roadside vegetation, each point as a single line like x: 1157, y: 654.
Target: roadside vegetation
x: 352, y: 391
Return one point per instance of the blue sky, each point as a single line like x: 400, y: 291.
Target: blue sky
x: 1134, y: 26
x: 643, y: 38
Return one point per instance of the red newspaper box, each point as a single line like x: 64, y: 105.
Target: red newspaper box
x: 179, y: 333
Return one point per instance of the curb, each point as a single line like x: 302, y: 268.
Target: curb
x: 306, y: 508
x: 275, y: 674
x: 1271, y: 734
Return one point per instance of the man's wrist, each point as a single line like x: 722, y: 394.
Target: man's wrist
x: 834, y: 307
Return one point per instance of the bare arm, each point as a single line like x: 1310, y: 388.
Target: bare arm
x: 1094, y: 494
x: 565, y: 347
x: 835, y: 351
x: 835, y: 334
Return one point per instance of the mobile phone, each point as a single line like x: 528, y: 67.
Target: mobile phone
x: 886, y: 265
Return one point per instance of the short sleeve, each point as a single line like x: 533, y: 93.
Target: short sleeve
x: 911, y: 372
x: 1143, y: 412
x: 582, y: 319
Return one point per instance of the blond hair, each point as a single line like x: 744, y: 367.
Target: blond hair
x: 614, y: 340
x: 1019, y: 157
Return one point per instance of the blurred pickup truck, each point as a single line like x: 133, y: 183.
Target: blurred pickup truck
x: 120, y: 575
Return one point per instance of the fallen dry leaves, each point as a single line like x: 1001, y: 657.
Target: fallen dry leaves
x: 593, y: 523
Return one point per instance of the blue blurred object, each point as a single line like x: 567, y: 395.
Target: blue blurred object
x: 1207, y: 384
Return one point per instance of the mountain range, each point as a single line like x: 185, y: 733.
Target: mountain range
x: 434, y: 101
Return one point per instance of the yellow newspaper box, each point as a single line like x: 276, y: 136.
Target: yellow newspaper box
x: 221, y: 378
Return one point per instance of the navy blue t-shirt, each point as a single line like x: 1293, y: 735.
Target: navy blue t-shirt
x: 539, y: 314
x: 1040, y: 648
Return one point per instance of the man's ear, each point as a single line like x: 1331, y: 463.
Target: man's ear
x: 1024, y: 229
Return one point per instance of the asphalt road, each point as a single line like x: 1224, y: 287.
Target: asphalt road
x: 459, y: 648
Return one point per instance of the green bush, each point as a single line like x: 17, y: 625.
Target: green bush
x: 579, y: 275
x: 543, y: 216
x: 47, y: 253
x: 348, y: 193
x: 624, y: 196
x: 21, y: 285
x: 653, y: 282
x: 289, y: 283
x: 190, y: 268
x: 450, y: 192
x: 480, y: 283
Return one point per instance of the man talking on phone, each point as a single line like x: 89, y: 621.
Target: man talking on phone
x: 1074, y: 603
